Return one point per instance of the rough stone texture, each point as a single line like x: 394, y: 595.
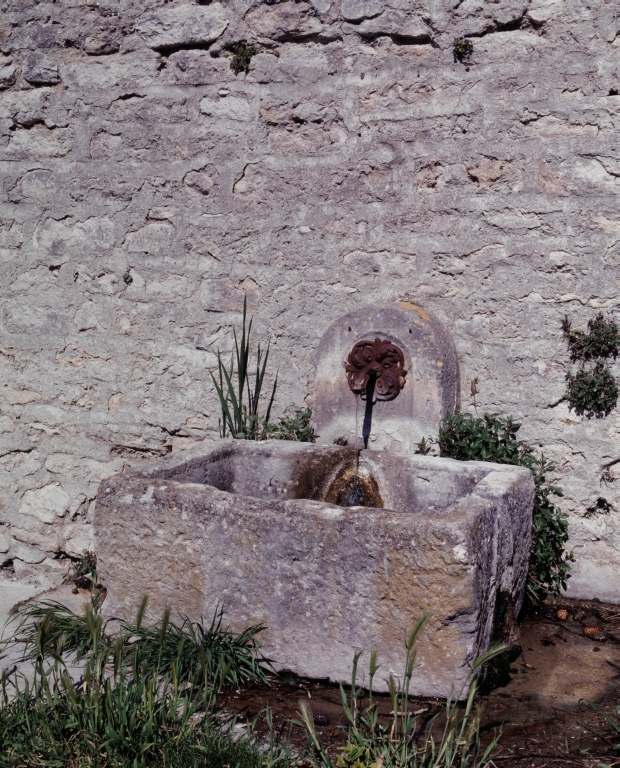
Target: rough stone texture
x: 326, y: 580
x: 356, y: 163
x: 431, y: 385
x: 40, y: 69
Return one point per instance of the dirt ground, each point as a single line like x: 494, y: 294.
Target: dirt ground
x: 543, y: 713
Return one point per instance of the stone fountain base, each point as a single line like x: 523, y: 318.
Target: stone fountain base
x: 251, y: 526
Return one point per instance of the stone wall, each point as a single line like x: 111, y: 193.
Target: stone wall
x: 146, y: 188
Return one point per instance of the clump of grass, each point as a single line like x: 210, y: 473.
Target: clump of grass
x: 399, y: 743
x: 243, y: 420
x: 49, y: 630
x: 146, y: 698
x: 83, y: 570
x: 226, y: 657
x: 240, y: 398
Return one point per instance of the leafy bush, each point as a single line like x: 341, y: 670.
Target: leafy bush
x: 493, y: 438
x: 241, y: 54
x: 462, y: 48
x: 594, y: 391
x: 601, y: 340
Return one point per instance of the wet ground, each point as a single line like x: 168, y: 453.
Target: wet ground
x: 543, y: 712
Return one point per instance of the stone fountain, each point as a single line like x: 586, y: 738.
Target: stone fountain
x: 334, y: 549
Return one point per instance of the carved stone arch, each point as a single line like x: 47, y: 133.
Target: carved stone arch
x: 431, y: 388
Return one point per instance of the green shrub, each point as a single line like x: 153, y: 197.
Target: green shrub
x: 462, y: 48
x: 592, y: 391
x: 601, y: 340
x: 493, y: 438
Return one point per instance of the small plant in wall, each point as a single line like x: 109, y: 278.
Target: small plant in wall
x: 462, y: 49
x: 593, y: 389
x: 240, y: 54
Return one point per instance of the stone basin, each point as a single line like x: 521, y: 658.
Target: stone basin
x: 260, y: 528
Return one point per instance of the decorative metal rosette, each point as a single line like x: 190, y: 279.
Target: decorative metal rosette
x: 380, y: 359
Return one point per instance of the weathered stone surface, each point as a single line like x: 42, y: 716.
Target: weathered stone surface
x: 371, y: 168
x: 325, y: 579
x: 40, y: 69
x: 182, y: 25
x: 45, y: 503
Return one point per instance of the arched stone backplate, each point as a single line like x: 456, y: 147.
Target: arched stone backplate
x: 431, y: 390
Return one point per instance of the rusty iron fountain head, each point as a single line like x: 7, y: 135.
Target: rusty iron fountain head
x: 380, y: 359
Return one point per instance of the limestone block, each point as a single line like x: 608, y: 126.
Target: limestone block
x: 229, y: 108
x: 197, y: 67
x: 246, y: 525
x: 356, y: 10
x: 26, y: 554
x: 5, y: 543
x: 46, y: 504
x: 541, y: 11
x: 7, y: 72
x: 131, y: 70
x: 18, y: 397
x: 151, y: 238
x: 322, y: 6
x: 47, y: 541
x: 182, y: 25
x: 309, y: 112
x: 392, y: 22
x: 41, y: 69
x: 287, y: 19
x: 77, y: 538
x: 264, y: 68
x: 199, y: 181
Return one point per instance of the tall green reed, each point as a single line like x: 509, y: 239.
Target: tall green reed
x: 242, y: 420
x: 402, y: 742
